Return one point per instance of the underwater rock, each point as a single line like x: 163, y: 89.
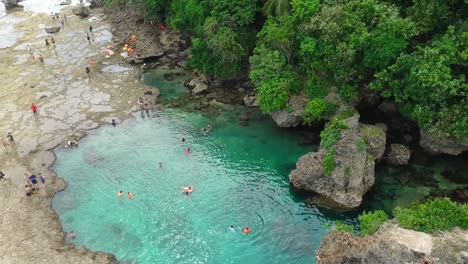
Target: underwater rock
x: 198, y: 84
x: 438, y: 145
x: 398, y: 155
x: 352, y: 177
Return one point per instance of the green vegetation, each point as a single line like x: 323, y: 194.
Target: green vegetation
x: 328, y: 162
x: 347, y: 172
x: 414, y: 52
x: 343, y: 227
x: 317, y: 108
x: 361, y: 145
x: 370, y: 222
x: 332, y: 133
x: 433, y: 215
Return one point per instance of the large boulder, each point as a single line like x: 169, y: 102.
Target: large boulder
x: 293, y: 118
x: 375, y: 139
x: 52, y: 30
x: 10, y: 3
x: 81, y: 11
x: 352, y: 177
x: 438, y: 145
x: 198, y: 84
x: 393, y: 244
x: 398, y: 154
x: 251, y: 100
x: 96, y: 3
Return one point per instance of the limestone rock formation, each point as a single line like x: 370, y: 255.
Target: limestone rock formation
x: 10, y: 3
x: 251, y: 100
x: 96, y: 3
x: 393, y: 244
x: 438, y: 145
x: 375, y: 139
x: 398, y: 155
x: 292, y: 118
x: 81, y: 11
x: 52, y: 30
x: 198, y: 84
x: 352, y: 177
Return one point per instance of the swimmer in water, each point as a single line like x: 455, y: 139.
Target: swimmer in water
x: 119, y: 194
x: 72, y: 235
x: 188, y: 190
x: 183, y: 139
x: 129, y: 195
x: 158, y: 119
x: 188, y: 151
x: 160, y: 165
x: 246, y: 230
x: 231, y: 228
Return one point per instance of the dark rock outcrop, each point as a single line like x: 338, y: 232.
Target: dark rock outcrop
x: 81, y: 11
x: 96, y: 3
x: 352, y: 177
x: 52, y: 30
x: 10, y: 3
x: 398, y: 154
x: 251, y: 100
x: 392, y: 244
x: 293, y: 118
x: 437, y: 145
x: 198, y: 84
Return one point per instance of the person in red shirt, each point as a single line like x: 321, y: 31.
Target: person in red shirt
x: 34, y: 109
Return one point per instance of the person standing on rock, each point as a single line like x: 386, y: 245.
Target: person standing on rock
x: 87, y: 70
x: 53, y: 41
x: 90, y: 29
x: 88, y: 38
x: 113, y: 122
x: 34, y: 109
x: 11, y: 140
x: 46, y: 42
x: 62, y: 22
x: 41, y: 59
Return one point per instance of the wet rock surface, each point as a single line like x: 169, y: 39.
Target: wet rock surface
x: 352, y: 177
x: 393, y: 244
x: 437, y: 145
x: 70, y: 103
x: 293, y: 118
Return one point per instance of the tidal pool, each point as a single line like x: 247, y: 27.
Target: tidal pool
x: 240, y: 177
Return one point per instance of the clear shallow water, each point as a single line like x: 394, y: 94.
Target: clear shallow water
x: 240, y: 176
x: 169, y: 81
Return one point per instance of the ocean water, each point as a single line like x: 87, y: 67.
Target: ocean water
x: 239, y: 175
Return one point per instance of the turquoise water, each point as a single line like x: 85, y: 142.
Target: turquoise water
x: 239, y: 174
x: 169, y: 81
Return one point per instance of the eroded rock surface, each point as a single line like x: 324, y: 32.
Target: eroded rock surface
x: 398, y: 154
x: 294, y: 117
x: 437, y: 145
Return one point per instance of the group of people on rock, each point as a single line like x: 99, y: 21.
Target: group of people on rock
x: 32, y: 184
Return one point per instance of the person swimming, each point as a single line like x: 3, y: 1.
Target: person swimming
x: 207, y: 129
x: 72, y: 235
x: 183, y: 139
x: 188, y: 151
x: 160, y: 165
x: 246, y: 230
x: 129, y: 195
x: 119, y: 194
x: 231, y: 228
x: 188, y: 190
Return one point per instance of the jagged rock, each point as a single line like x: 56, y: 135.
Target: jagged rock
x: 292, y: 118
x: 375, y: 139
x: 199, y: 84
x: 52, y: 30
x: 96, y: 3
x: 352, y: 177
x: 10, y: 3
x: 81, y: 11
x: 437, y: 145
x: 393, y: 244
x: 251, y: 100
x: 64, y: 3
x: 398, y: 154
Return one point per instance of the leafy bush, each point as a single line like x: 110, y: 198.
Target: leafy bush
x: 316, y: 87
x: 370, y: 222
x: 328, y: 162
x: 317, y: 108
x: 273, y: 95
x: 343, y: 227
x: 332, y: 133
x: 361, y: 145
x: 433, y: 215
x: 349, y: 93
x: 345, y: 113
